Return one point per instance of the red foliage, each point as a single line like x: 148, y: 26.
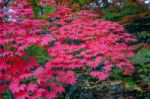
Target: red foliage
x: 92, y: 42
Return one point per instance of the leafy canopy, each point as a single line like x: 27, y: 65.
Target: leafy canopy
x: 38, y: 57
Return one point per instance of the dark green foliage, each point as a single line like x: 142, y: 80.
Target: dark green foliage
x: 81, y: 2
x: 142, y: 60
x: 39, y: 52
x: 7, y: 95
x: 138, y: 24
x: 70, y: 41
x: 143, y: 37
x: 133, y: 15
x: 40, y: 10
x: 112, y: 14
x: 48, y: 9
x: 116, y: 74
x: 29, y: 80
x: 36, y: 8
x: 128, y: 80
x: 116, y: 13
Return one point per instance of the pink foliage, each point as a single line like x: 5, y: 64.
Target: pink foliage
x: 93, y: 42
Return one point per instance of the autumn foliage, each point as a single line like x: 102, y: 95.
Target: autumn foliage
x: 80, y: 40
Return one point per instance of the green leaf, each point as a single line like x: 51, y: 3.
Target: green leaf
x: 39, y: 52
x: 49, y: 9
x: 115, y: 74
x: 82, y: 2
x: 7, y: 95
x: 129, y: 81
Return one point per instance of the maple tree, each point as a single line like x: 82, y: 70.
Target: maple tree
x: 80, y: 40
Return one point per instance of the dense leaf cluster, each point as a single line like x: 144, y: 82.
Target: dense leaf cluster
x: 64, y: 40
